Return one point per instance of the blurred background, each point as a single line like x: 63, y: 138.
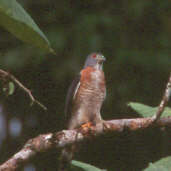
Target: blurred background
x: 135, y: 38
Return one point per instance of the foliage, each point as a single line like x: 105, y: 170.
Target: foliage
x: 164, y: 164
x: 9, y: 88
x: 17, y: 21
x: 83, y: 166
x: 148, y: 111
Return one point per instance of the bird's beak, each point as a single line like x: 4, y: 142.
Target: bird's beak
x: 101, y: 58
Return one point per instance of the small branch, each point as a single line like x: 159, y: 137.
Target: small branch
x: 9, y: 77
x: 43, y: 143
x: 164, y: 100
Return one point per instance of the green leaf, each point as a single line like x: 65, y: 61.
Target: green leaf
x: 17, y: 21
x: 162, y: 165
x: 8, y: 88
x: 148, y: 111
x: 11, y: 88
x: 84, y: 166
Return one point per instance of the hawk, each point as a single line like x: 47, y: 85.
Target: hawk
x: 84, y: 99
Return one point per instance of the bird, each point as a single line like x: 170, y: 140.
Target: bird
x: 84, y: 100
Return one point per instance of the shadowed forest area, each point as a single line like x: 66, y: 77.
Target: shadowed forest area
x: 135, y: 38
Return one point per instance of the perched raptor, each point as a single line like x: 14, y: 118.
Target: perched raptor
x: 84, y: 99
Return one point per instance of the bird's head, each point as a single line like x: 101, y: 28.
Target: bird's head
x: 95, y: 60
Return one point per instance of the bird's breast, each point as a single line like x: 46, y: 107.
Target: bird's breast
x: 92, y: 83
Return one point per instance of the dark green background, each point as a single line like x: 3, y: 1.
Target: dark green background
x: 135, y: 38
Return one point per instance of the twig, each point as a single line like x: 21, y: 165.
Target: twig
x: 9, y: 77
x: 164, y: 100
x: 43, y: 143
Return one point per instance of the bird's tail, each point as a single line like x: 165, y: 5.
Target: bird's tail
x: 66, y: 157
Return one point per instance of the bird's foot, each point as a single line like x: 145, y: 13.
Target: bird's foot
x: 87, y: 129
x: 87, y: 125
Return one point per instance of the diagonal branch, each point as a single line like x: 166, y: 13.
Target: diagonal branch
x: 9, y: 77
x: 164, y: 100
x: 45, y: 142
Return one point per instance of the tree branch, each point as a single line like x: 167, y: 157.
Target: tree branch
x: 164, y: 100
x: 9, y: 77
x: 45, y: 142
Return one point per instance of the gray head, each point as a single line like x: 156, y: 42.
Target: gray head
x: 95, y: 60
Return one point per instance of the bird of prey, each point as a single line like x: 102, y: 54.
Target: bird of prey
x: 84, y: 100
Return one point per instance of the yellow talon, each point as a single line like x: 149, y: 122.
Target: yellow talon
x: 86, y: 125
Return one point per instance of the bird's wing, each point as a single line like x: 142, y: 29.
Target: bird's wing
x: 72, y: 91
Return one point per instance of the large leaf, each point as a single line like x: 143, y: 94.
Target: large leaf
x: 17, y: 21
x: 161, y: 165
x: 148, y: 111
x: 80, y: 166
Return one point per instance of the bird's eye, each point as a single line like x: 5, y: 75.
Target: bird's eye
x: 94, y: 56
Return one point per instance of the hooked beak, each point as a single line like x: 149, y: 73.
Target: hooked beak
x: 101, y: 58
